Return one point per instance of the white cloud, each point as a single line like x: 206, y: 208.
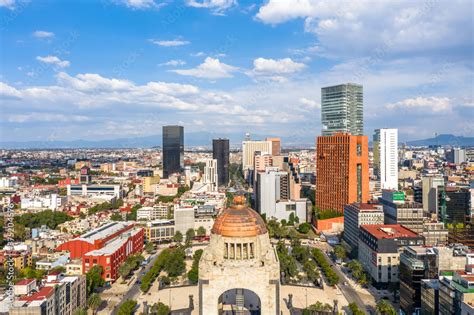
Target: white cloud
x: 141, y: 4
x: 276, y: 66
x: 427, y: 104
x: 7, y: 91
x: 46, y: 117
x: 174, y: 63
x: 93, y: 82
x: 309, y: 104
x: 217, y: 7
x: 53, y: 60
x: 210, y: 69
x: 274, y: 70
x: 9, y: 4
x: 348, y: 28
x: 43, y: 34
x: 169, y: 43
x: 198, y: 54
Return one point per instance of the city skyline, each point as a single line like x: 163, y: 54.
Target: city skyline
x: 79, y: 72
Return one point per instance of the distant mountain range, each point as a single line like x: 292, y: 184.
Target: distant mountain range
x: 204, y: 139
x: 444, y: 140
x: 191, y: 139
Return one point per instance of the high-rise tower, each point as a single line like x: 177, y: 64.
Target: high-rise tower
x: 220, y: 152
x: 342, y: 109
x: 173, y: 150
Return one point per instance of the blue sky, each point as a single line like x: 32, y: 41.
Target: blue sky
x: 123, y: 68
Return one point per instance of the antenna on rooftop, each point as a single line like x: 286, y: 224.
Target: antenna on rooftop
x: 247, y: 136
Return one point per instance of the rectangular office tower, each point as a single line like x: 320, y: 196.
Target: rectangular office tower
x: 220, y: 152
x: 342, y: 109
x: 386, y: 157
x: 173, y: 150
x: 342, y: 171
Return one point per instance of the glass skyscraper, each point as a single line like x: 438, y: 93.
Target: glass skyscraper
x: 173, y: 150
x: 342, y: 109
x: 220, y: 152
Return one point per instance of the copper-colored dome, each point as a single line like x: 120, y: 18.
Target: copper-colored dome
x: 239, y: 221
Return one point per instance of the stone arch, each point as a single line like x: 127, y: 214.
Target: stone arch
x: 239, y: 301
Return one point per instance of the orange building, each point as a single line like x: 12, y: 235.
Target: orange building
x: 342, y: 171
x: 276, y: 145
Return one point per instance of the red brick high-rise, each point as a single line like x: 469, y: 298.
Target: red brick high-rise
x: 342, y: 171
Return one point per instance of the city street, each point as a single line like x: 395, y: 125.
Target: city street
x: 351, y: 294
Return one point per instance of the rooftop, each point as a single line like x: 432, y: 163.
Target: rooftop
x: 42, y: 294
x: 25, y: 281
x: 104, y: 231
x: 112, y: 246
x: 388, y: 231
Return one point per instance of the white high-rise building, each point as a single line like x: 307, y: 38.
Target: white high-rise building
x: 386, y: 157
x: 210, y: 174
x: 249, y: 147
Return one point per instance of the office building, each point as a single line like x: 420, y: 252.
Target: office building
x: 159, y: 230
x: 278, y: 195
x: 399, y: 211
x: 59, y: 295
x: 456, y: 156
x: 342, y: 109
x: 357, y: 214
x: 458, y: 205
x: 152, y: 213
x: 220, y: 152
x: 342, y: 171
x: 385, y: 149
x: 429, y: 293
x: 173, y: 150
x: 435, y: 233
x: 276, y: 146
x: 210, y: 175
x: 108, y: 246
x: 249, y: 147
x: 379, y: 250
x: 94, y: 190
x: 430, y: 189
x: 422, y: 262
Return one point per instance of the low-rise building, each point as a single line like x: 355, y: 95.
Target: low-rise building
x: 152, y: 213
x: 379, y: 250
x: 358, y: 214
x: 159, y: 230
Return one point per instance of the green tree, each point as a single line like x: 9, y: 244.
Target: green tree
x: 149, y: 247
x: 178, y: 237
x: 175, y: 264
x: 94, y: 302
x: 80, y: 312
x: 340, y: 252
x: 124, y: 270
x: 190, y: 236
x: 385, y: 308
x: 304, y: 228
x: 127, y: 307
x: 94, y: 278
x: 193, y: 274
x: 116, y: 217
x: 160, y: 309
x: 201, y: 231
x: 355, y: 309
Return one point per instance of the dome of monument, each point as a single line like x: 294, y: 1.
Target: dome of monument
x: 239, y: 221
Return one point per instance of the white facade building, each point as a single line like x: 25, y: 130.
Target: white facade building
x: 249, y: 147
x: 210, y: 175
x: 52, y: 202
x: 386, y: 157
x: 8, y: 182
x: 273, y: 196
x: 152, y: 213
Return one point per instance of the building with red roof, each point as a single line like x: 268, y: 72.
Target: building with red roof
x: 379, y: 250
